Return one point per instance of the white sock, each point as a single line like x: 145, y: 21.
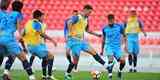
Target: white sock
x: 6, y: 72
x: 110, y: 74
x: 66, y: 73
x: 130, y: 67
x: 32, y: 77
x: 135, y: 68
x: 107, y: 65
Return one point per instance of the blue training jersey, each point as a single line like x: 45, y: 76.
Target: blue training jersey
x: 113, y: 35
x: 14, y: 17
x: 3, y: 22
x: 65, y: 28
x: 8, y: 22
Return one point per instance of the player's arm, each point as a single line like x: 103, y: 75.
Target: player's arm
x: 45, y: 36
x: 72, y: 20
x: 142, y: 27
x: 103, y: 43
x: 92, y: 33
x: 124, y: 39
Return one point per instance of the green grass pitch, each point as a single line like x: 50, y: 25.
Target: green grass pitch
x: 83, y: 75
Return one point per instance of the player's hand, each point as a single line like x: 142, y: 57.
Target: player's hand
x: 55, y: 44
x: 145, y: 34
x: 101, y: 54
x: 125, y: 48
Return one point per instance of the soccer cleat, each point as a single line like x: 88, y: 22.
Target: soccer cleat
x: 32, y: 77
x: 119, y: 75
x: 68, y: 77
x: 6, y: 77
x: 44, y: 78
x: 110, y: 76
x: 131, y: 70
x: 51, y: 78
x: 134, y: 70
x: 110, y: 65
x: 75, y: 70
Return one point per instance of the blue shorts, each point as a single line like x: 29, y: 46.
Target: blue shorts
x: 113, y: 51
x: 11, y: 45
x: 77, y: 46
x: 133, y: 44
x: 40, y: 50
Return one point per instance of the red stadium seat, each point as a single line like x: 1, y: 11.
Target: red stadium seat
x: 58, y: 11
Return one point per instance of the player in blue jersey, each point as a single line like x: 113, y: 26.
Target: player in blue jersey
x: 68, y: 55
x: 112, y: 33
x: 8, y: 25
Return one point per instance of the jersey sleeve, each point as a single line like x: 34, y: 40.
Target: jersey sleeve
x: 122, y: 27
x: 17, y: 16
x: 74, y: 19
x: 140, y: 23
x: 37, y: 26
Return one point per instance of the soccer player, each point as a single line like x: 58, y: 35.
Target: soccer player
x: 8, y: 25
x: 112, y: 33
x: 77, y: 25
x: 75, y: 13
x: 133, y: 27
x: 33, y: 36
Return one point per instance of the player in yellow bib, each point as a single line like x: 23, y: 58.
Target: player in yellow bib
x: 34, y: 36
x: 77, y: 25
x: 133, y: 27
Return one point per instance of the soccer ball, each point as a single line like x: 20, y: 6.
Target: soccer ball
x: 95, y: 74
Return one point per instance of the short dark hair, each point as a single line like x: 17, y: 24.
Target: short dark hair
x: 87, y: 7
x: 37, y: 14
x: 4, y: 4
x: 17, y: 6
x: 75, y: 10
x: 110, y: 16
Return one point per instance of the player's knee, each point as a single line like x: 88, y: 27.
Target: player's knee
x: 122, y: 61
x: 50, y: 55
x: 22, y: 56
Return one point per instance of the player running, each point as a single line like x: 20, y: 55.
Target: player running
x: 33, y: 36
x: 112, y: 41
x: 9, y: 23
x: 77, y: 25
x: 133, y: 27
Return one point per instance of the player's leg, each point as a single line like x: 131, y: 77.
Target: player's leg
x: 9, y: 63
x: 121, y: 59
x: 130, y: 54
x: 47, y: 62
x: 44, y: 68
x: 14, y: 48
x: 135, y: 54
x: 50, y: 66
x: 26, y: 65
x: 31, y: 59
x: 71, y: 66
x: 87, y: 48
x: 1, y: 59
x: 121, y: 66
x: 68, y: 55
x: 75, y: 54
x: 2, y: 52
x: 110, y: 69
x: 76, y: 65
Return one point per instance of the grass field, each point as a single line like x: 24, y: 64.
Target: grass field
x: 21, y: 75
